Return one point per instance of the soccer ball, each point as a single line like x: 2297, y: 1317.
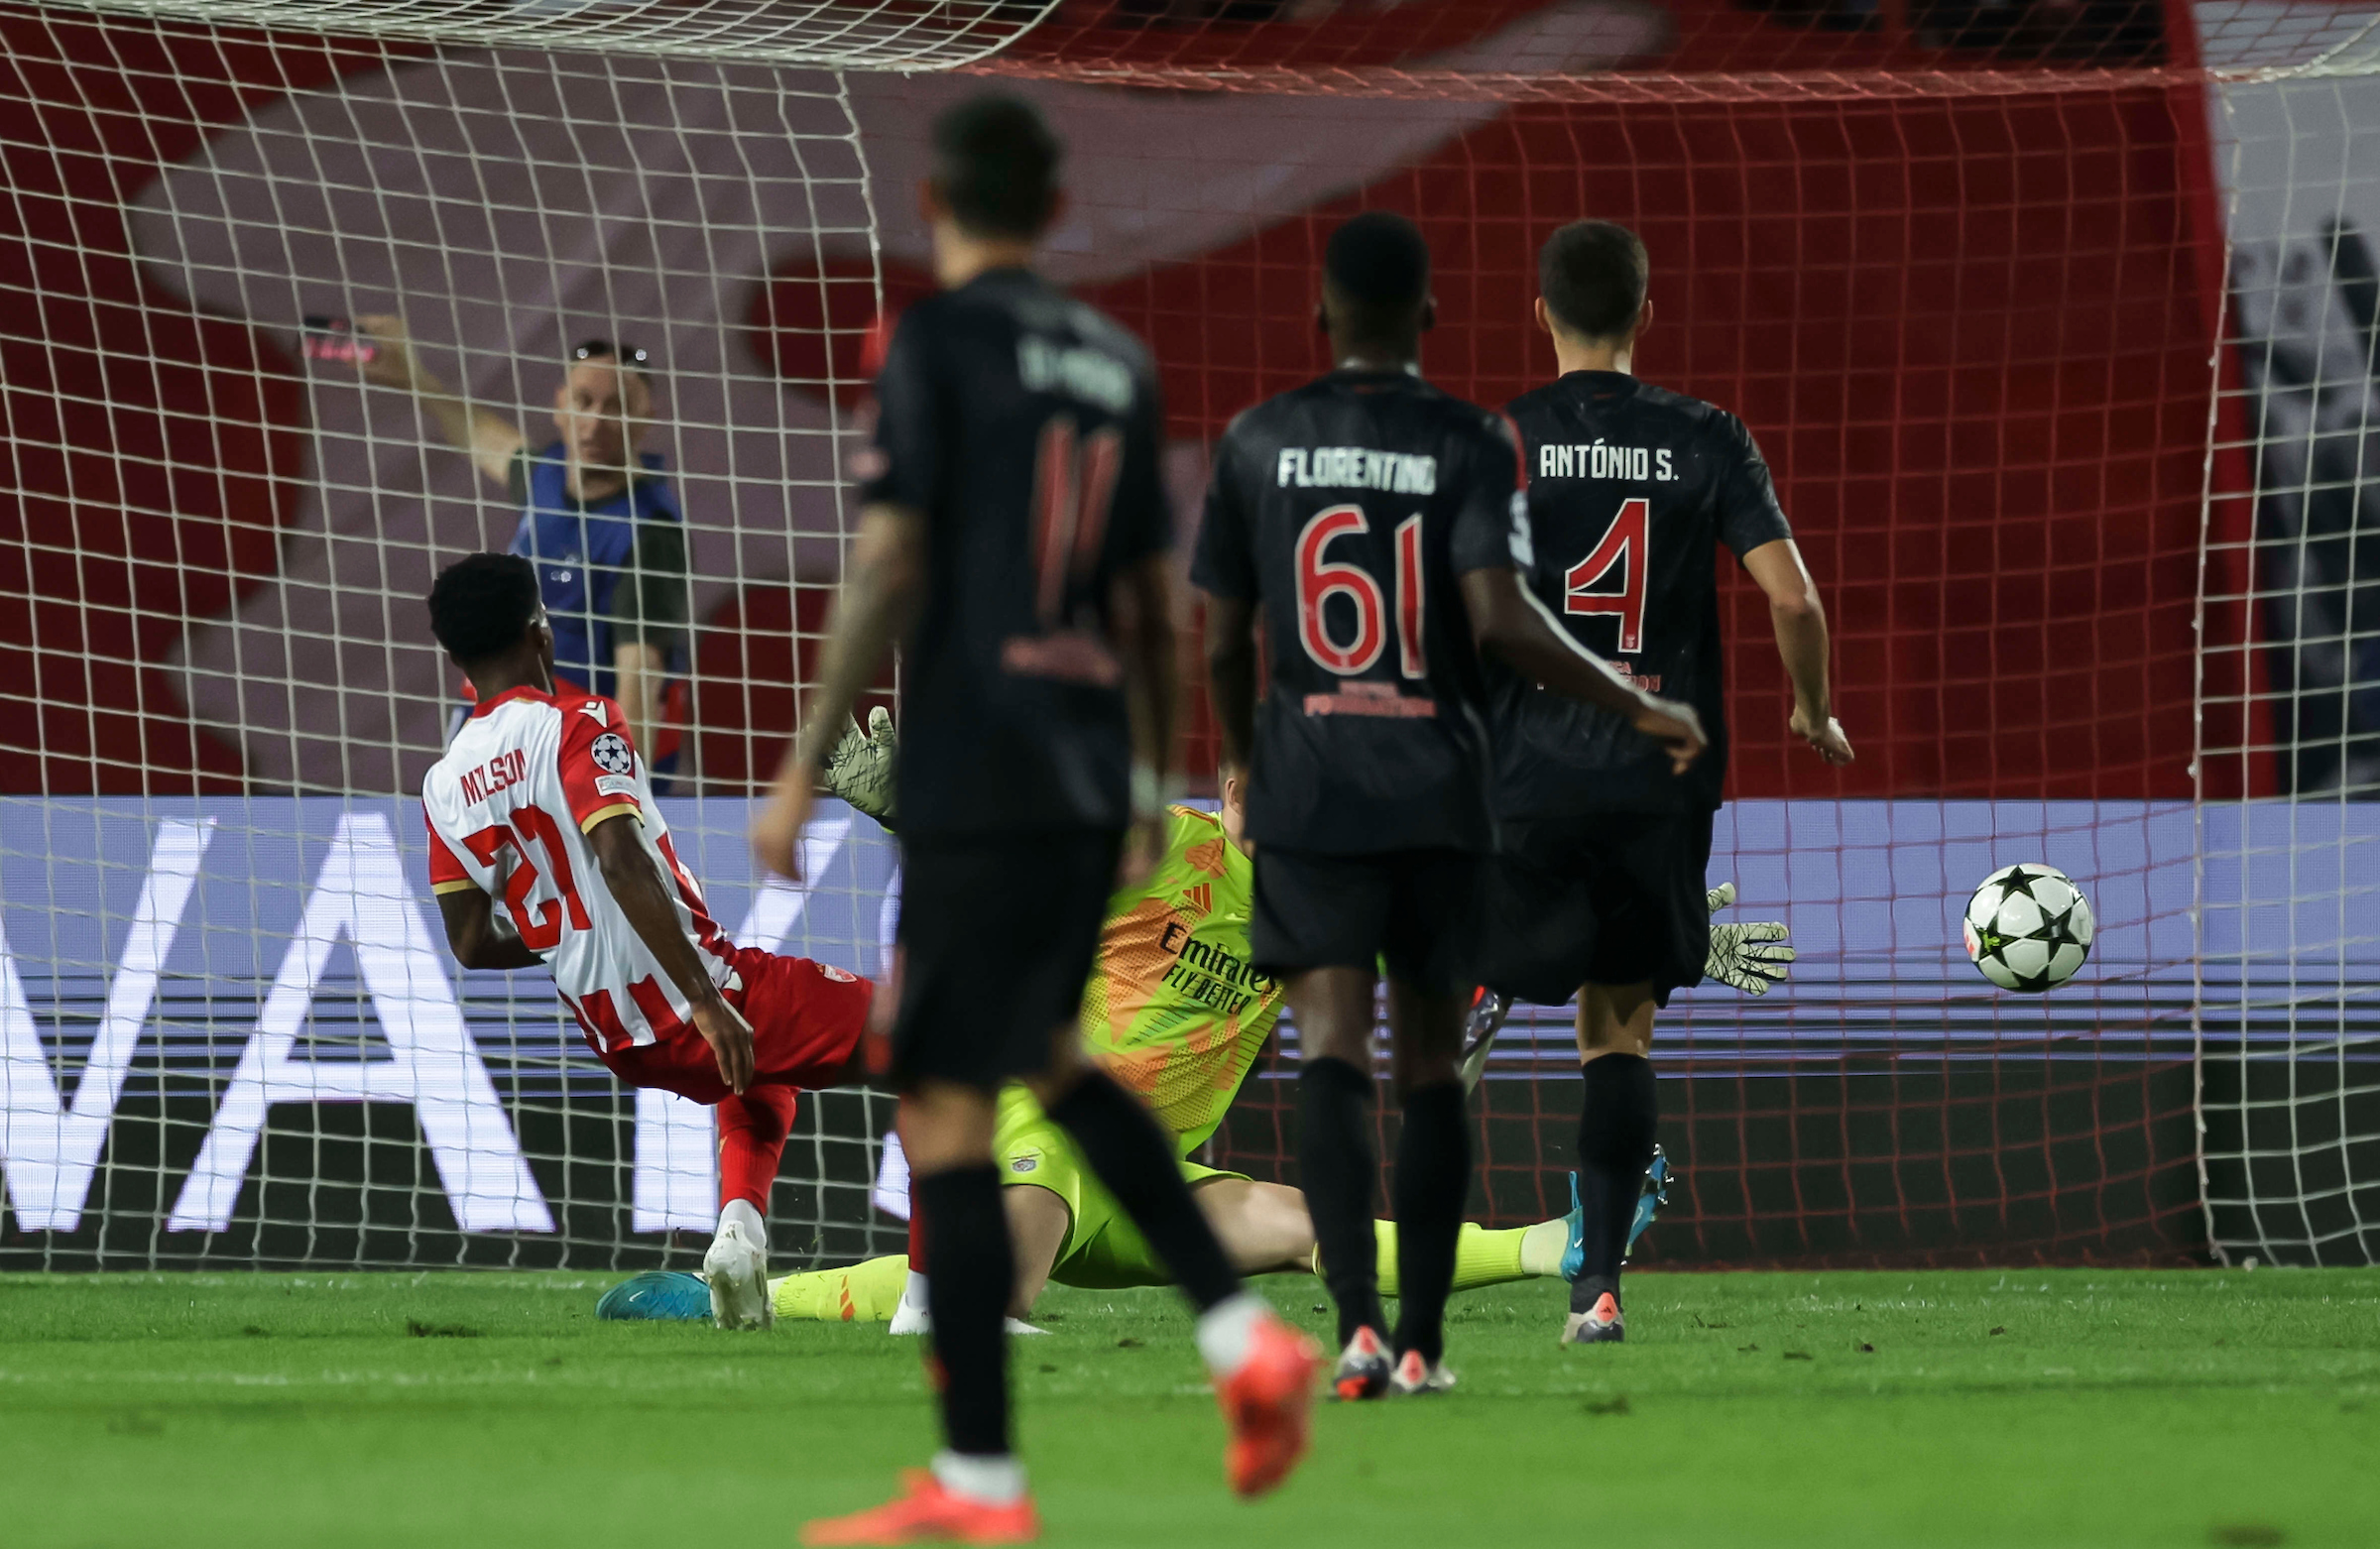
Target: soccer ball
x: 2029, y: 928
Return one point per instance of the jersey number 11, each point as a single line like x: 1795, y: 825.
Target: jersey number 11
x: 1074, y: 487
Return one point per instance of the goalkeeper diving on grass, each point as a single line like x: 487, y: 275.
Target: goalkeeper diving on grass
x: 1173, y: 1012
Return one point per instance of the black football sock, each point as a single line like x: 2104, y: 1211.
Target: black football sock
x: 1433, y: 1179
x: 1133, y: 1157
x: 1616, y: 1145
x: 1336, y: 1165
x: 969, y: 1271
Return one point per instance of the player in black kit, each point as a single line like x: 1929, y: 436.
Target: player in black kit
x: 1373, y: 524
x: 1599, y: 891
x: 1014, y: 530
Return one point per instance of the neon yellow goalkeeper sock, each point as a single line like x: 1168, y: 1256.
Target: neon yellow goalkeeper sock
x: 1542, y: 1247
x: 856, y: 1293
x: 1482, y: 1256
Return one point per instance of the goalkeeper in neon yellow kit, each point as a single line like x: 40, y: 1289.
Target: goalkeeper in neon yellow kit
x: 1173, y: 1012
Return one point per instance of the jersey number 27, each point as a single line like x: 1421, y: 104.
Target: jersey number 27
x: 541, y: 929
x: 1320, y: 580
x: 1626, y: 545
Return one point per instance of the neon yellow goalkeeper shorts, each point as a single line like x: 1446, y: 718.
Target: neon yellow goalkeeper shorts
x: 1102, y: 1250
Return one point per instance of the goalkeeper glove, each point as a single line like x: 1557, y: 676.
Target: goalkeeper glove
x: 1751, y: 956
x: 860, y: 770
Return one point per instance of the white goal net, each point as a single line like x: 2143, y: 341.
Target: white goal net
x: 2289, y: 938
x: 231, y: 1032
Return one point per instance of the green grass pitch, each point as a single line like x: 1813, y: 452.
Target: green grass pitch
x: 2020, y: 1407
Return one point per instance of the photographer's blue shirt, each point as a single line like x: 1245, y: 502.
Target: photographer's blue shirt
x: 611, y: 572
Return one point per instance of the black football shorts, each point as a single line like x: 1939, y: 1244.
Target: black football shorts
x: 1617, y: 898
x: 1413, y: 910
x: 998, y: 936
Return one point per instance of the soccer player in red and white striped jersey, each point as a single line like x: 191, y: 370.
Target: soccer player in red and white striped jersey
x: 542, y: 803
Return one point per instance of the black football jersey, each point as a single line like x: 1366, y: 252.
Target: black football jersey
x: 1345, y: 509
x: 1025, y: 426
x: 1632, y: 489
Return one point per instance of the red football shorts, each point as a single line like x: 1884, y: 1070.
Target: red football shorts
x: 808, y: 1020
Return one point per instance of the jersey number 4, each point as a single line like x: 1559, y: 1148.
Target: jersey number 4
x: 1319, y: 580
x: 1626, y: 546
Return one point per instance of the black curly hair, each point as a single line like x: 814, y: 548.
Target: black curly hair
x: 482, y: 604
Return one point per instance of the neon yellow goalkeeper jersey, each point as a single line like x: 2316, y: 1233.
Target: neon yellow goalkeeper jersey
x: 1172, y: 1010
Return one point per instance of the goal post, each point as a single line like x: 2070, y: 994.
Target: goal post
x: 2290, y: 948
x: 877, y: 35
x: 2047, y: 319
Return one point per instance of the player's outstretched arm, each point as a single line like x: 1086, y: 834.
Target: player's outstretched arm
x: 1509, y: 623
x: 478, y: 937
x: 1232, y: 673
x: 1800, y: 620
x: 634, y: 881
x: 882, y: 589
x: 1142, y: 608
x: 490, y: 438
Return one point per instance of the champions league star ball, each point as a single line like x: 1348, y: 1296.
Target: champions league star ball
x: 2029, y: 928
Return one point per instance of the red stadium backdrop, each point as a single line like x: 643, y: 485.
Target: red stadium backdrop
x: 1971, y: 332
x: 1970, y: 324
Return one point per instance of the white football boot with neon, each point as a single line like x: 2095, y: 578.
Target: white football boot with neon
x: 736, y: 1267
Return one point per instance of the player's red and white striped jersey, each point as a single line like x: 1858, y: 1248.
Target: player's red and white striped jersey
x: 508, y: 809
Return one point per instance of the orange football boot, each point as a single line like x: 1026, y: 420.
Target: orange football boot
x: 1363, y: 1366
x: 927, y: 1513
x: 1268, y: 1400
x: 1601, y: 1324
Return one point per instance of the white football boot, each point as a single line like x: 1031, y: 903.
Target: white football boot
x: 911, y: 1317
x: 1414, y: 1376
x: 736, y: 1267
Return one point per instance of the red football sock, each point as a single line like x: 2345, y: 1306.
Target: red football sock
x: 751, y: 1138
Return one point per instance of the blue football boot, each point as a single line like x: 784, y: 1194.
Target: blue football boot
x: 1649, y: 1201
x: 1573, y: 1247
x: 657, y: 1296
